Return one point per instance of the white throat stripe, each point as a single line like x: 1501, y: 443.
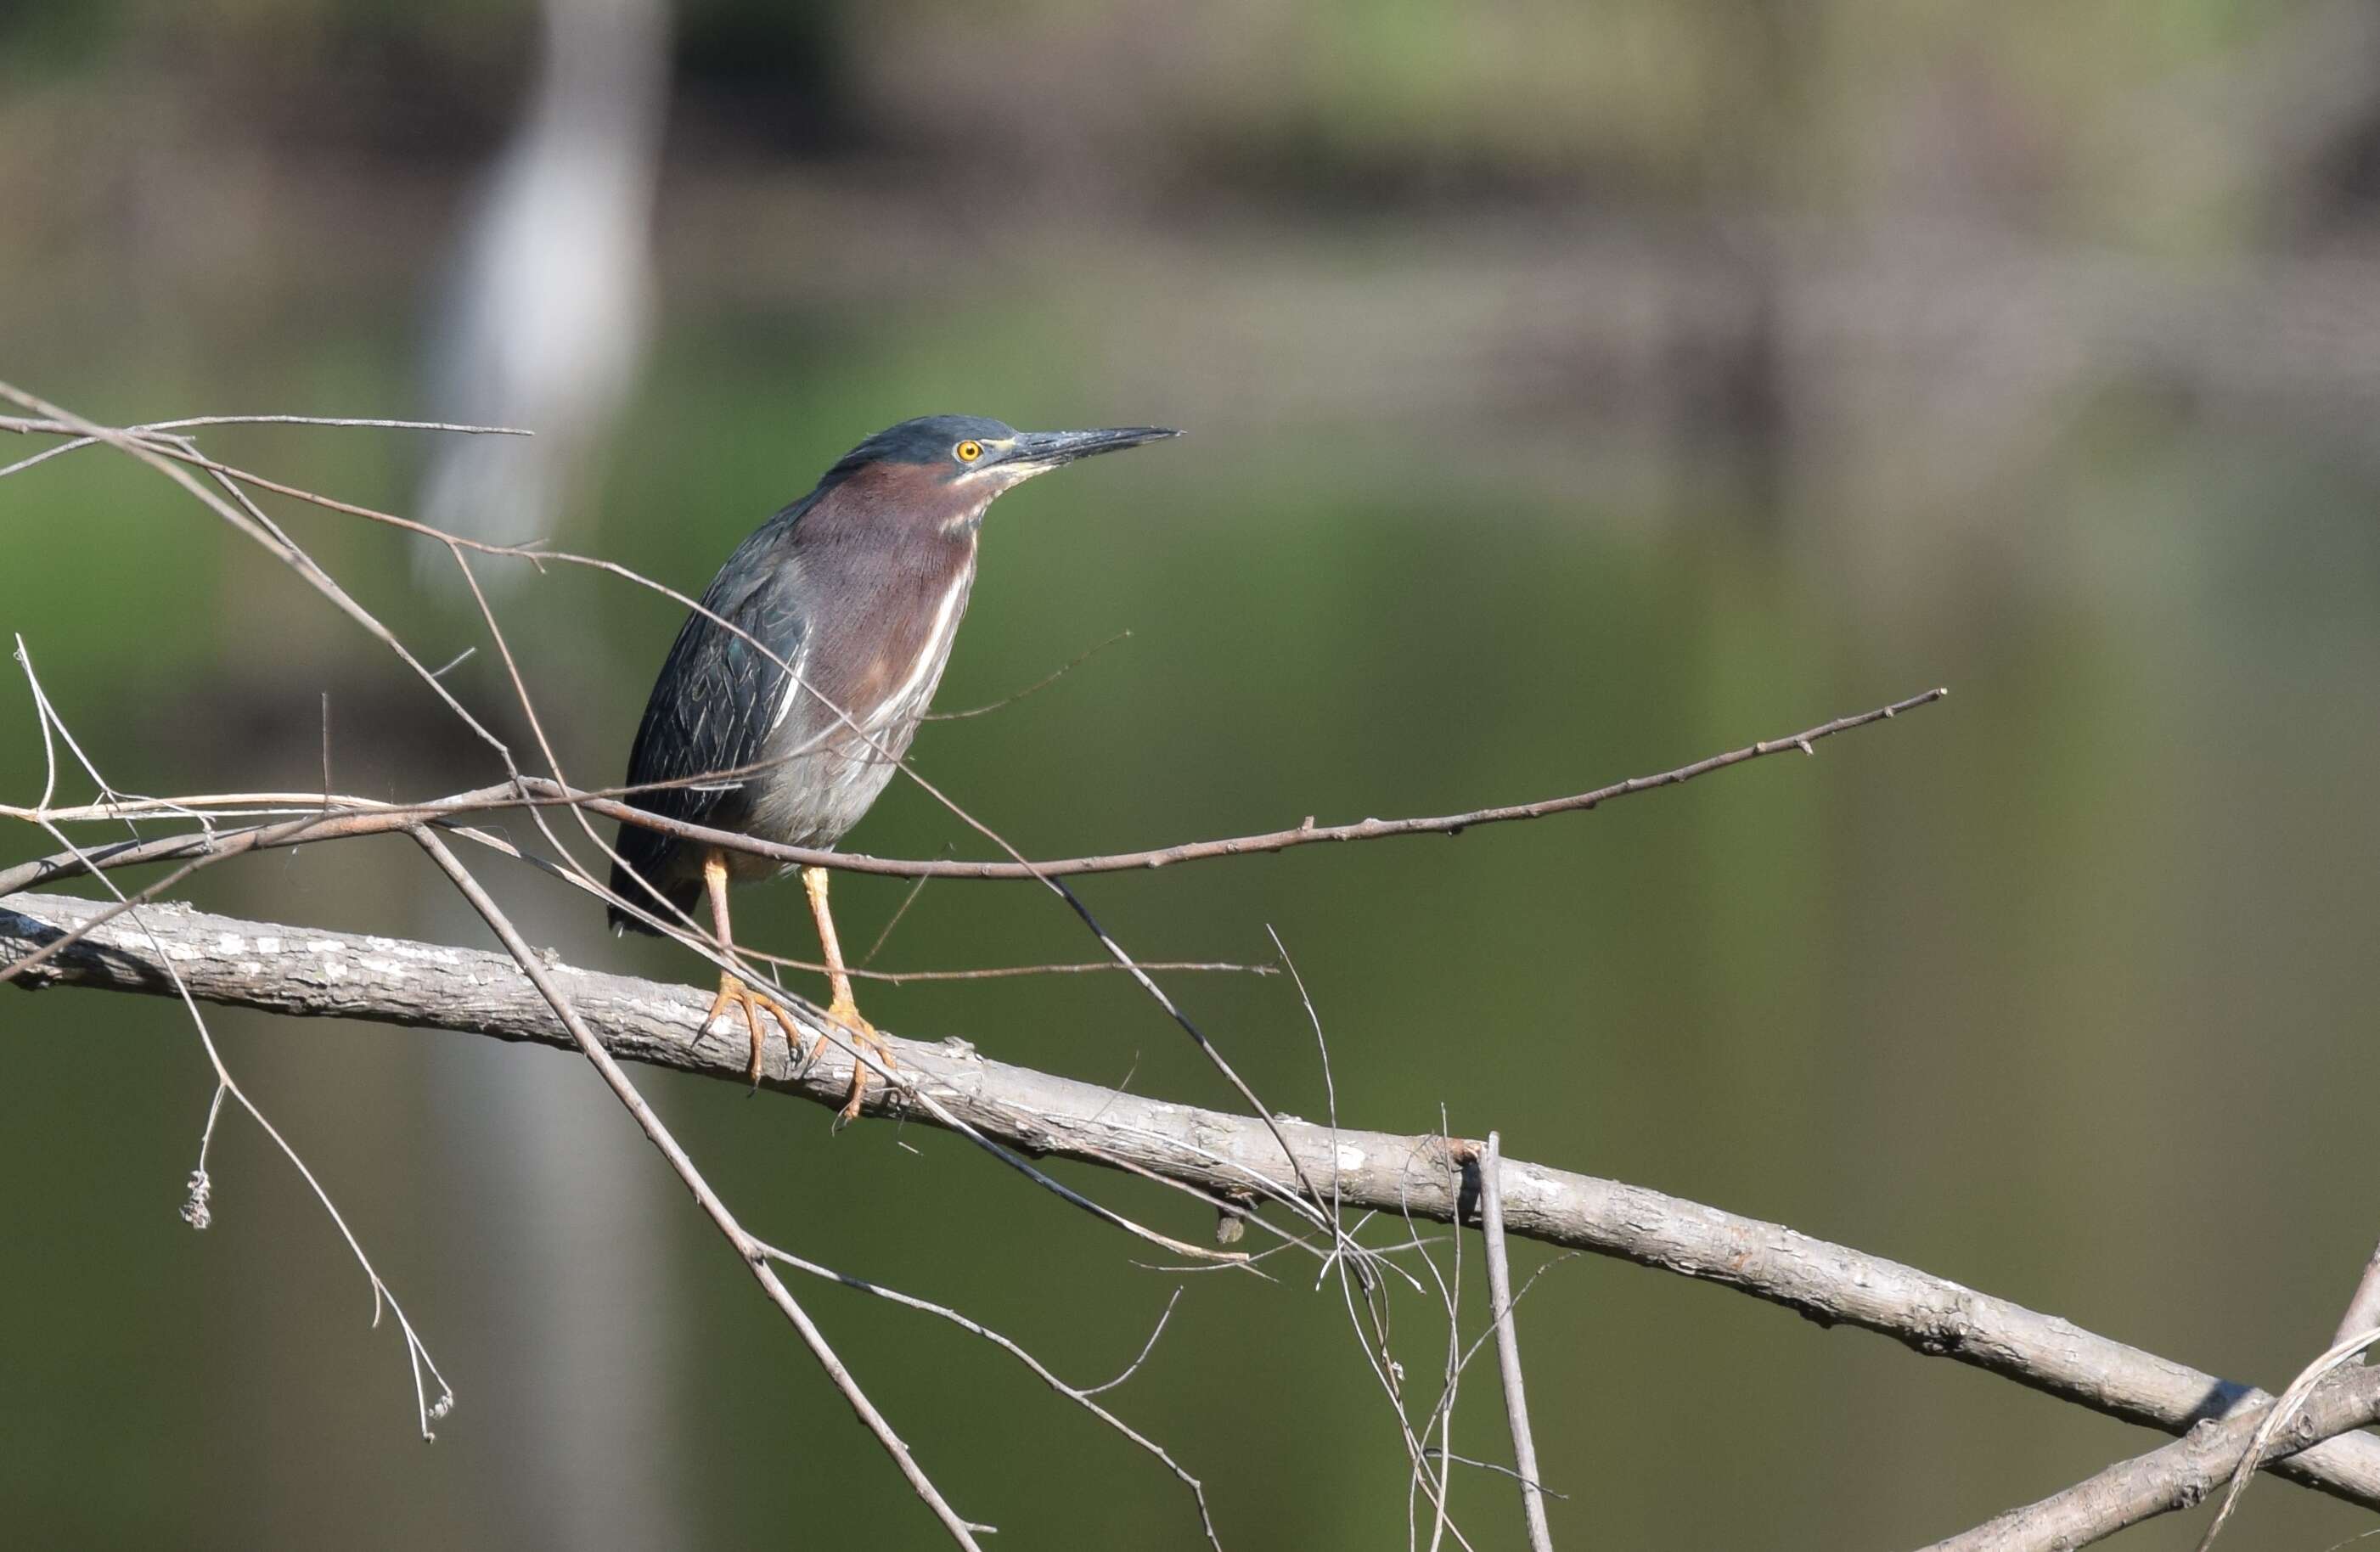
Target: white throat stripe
x: 937, y: 648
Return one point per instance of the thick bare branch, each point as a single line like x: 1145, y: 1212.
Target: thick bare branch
x: 302, y: 971
x: 2183, y: 1474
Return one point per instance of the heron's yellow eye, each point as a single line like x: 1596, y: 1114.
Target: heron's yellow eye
x: 969, y: 452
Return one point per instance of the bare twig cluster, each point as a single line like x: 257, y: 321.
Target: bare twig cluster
x: 1294, y: 1182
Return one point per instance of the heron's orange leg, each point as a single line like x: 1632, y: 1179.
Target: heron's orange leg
x: 732, y: 990
x: 842, y: 1008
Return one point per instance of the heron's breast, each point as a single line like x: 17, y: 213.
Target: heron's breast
x: 876, y: 670
x: 902, y: 675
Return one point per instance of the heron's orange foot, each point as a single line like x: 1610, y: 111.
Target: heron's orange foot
x: 865, y: 1043
x: 733, y: 991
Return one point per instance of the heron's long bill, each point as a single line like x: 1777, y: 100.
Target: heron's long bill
x: 1053, y: 448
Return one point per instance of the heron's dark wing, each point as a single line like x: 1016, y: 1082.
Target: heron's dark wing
x: 710, y: 712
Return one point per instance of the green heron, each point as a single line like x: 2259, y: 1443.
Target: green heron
x: 859, y: 587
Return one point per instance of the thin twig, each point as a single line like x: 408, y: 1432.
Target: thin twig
x: 197, y: 1210
x: 1508, y: 1342
x: 884, y: 934
x: 1077, y: 660
x: 162, y: 458
x: 1499, y: 1470
x: 60, y: 428
x: 1305, y: 834
x: 1363, y: 1291
x: 43, y: 427
x: 1010, y: 972
x: 1450, y: 1286
x: 380, y: 818
x: 1080, y: 1396
x: 1145, y: 1349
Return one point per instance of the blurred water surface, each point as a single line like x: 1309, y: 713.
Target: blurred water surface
x: 2061, y: 989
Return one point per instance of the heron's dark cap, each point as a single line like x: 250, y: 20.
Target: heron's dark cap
x: 964, y: 442
x: 927, y: 440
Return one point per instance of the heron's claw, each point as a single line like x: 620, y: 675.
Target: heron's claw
x: 754, y: 1003
x: 865, y: 1043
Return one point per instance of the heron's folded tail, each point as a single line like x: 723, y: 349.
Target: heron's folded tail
x: 682, y: 897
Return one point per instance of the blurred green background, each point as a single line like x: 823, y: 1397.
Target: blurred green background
x: 1574, y: 391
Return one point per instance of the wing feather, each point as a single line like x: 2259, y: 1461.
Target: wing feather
x: 711, y: 711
